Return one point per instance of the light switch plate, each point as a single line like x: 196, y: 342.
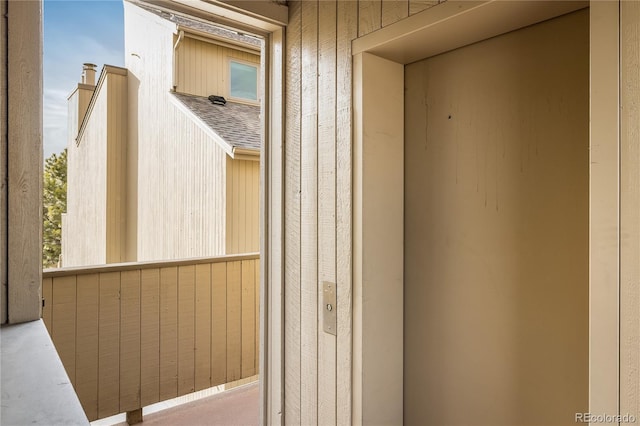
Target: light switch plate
x: 329, y: 311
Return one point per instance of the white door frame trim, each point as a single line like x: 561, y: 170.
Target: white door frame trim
x: 267, y: 19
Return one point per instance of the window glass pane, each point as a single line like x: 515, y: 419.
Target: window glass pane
x: 244, y: 81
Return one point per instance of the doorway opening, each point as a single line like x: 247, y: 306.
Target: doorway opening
x: 493, y: 214
x: 496, y: 229
x: 164, y: 298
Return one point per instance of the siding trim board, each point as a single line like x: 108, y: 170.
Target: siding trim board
x: 630, y: 209
x: 106, y: 70
x: 23, y: 162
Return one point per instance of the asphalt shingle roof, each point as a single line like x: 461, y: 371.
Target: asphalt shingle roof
x: 198, y: 25
x: 237, y: 124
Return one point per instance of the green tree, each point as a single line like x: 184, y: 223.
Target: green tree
x: 54, y: 203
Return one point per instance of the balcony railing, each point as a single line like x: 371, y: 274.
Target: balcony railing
x: 133, y: 334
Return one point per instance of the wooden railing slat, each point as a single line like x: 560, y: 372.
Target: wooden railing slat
x: 130, y: 341
x: 109, y: 345
x: 248, y: 318
x: 47, y: 284
x: 234, y: 321
x: 168, y: 333
x: 218, y: 324
x: 257, y: 316
x: 64, y: 321
x: 86, y: 383
x: 150, y: 336
x: 186, y: 329
x: 203, y: 327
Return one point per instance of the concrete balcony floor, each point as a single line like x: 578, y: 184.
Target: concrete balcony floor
x: 236, y: 407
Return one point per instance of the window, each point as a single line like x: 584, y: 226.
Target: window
x: 243, y: 81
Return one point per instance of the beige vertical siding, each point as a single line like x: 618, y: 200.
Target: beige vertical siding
x: 630, y: 208
x: 181, y: 186
x: 203, y: 68
x: 21, y: 167
x: 84, y: 236
x: 317, y: 198
x: 3, y: 168
x: 117, y: 107
x: 78, y: 102
x: 131, y: 335
x: 242, y: 206
x: 309, y: 255
x: 94, y: 229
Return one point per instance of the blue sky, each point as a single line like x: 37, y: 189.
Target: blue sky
x: 75, y: 32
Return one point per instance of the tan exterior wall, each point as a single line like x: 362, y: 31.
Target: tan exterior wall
x: 243, y: 206
x: 317, y: 198
x: 497, y: 230
x: 355, y: 19
x: 20, y: 161
x: 85, y: 231
x: 3, y: 169
x: 93, y: 229
x: 181, y: 185
x: 202, y: 68
x: 630, y: 209
x: 116, y: 168
x: 78, y: 102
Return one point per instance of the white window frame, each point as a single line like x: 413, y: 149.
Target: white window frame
x: 231, y: 59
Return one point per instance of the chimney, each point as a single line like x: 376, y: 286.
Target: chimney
x: 89, y: 74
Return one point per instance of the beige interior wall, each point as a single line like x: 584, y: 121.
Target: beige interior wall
x: 604, y: 208
x: 378, y: 175
x: 496, y: 229
x: 242, y: 206
x: 630, y: 209
x: 203, y: 68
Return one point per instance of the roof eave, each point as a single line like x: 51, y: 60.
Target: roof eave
x: 233, y: 44
x: 228, y: 149
x: 251, y: 154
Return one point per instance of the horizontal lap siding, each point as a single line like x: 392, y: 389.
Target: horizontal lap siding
x: 129, y: 339
x: 317, y: 193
